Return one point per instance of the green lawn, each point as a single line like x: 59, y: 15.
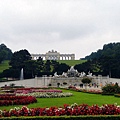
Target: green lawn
x: 78, y: 97
x: 71, y: 62
x: 4, y: 65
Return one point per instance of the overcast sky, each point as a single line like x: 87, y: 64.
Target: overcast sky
x: 66, y: 26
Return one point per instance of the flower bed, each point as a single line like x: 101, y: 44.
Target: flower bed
x: 46, y: 94
x: 68, y: 110
x: 30, y: 90
x: 95, y: 91
x: 41, y: 93
x: 56, y: 91
x: 91, y: 91
x: 6, y: 100
x: 7, y: 94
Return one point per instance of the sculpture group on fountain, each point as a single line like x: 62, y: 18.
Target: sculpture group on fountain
x: 73, y: 73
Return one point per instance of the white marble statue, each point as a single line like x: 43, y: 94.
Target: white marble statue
x: 82, y: 74
x: 89, y: 74
x: 64, y: 74
x: 56, y: 75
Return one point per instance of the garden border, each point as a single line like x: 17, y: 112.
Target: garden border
x: 90, y: 117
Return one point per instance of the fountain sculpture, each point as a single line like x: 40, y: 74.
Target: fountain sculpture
x: 73, y: 73
x: 21, y: 74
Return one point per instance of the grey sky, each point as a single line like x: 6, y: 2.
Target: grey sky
x: 67, y: 26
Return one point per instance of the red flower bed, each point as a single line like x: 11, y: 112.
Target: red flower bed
x: 73, y: 110
x: 6, y: 100
x: 73, y: 88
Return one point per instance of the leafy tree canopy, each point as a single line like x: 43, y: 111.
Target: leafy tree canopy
x: 19, y: 57
x: 5, y: 53
x: 109, y: 50
x: 105, y: 61
x: 86, y: 80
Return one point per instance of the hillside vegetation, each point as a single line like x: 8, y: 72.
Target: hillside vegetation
x: 5, y: 53
x: 4, y: 65
x: 111, y: 50
x: 105, y: 61
x: 72, y: 62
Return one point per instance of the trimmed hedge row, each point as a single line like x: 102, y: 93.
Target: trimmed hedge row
x: 98, y: 117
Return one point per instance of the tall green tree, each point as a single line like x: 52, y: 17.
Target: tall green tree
x: 40, y: 64
x: 18, y: 59
x: 62, y: 68
x: 17, y: 62
x: 106, y: 60
x: 54, y: 65
x: 31, y: 68
x: 5, y: 53
x: 84, y: 67
x: 47, y: 65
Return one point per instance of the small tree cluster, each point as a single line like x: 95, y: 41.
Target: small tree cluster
x: 86, y: 80
x: 111, y: 89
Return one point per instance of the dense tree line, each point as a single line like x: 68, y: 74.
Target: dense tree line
x: 109, y: 50
x: 105, y: 61
x: 5, y: 53
x: 22, y: 59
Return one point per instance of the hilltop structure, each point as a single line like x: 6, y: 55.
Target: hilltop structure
x: 54, y: 55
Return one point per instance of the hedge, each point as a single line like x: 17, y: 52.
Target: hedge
x: 97, y: 117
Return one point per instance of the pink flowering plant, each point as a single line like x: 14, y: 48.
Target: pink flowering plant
x: 31, y: 90
x: 93, y: 91
x: 42, y: 93
x: 46, y: 94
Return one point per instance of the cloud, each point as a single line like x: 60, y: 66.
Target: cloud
x: 74, y: 26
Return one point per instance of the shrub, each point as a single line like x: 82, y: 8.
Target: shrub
x: 110, y: 89
x: 58, y: 84
x: 86, y: 80
x: 64, y: 83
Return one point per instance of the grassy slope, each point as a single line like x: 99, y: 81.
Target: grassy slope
x: 71, y: 62
x: 78, y: 97
x: 4, y: 65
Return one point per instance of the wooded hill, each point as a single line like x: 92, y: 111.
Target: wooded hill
x: 111, y: 50
x: 105, y: 61
x: 5, y: 53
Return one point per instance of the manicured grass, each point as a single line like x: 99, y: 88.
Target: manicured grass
x: 72, y: 62
x: 78, y: 97
x: 4, y: 65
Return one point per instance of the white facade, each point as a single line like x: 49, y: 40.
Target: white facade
x: 45, y: 81
x: 54, y: 55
